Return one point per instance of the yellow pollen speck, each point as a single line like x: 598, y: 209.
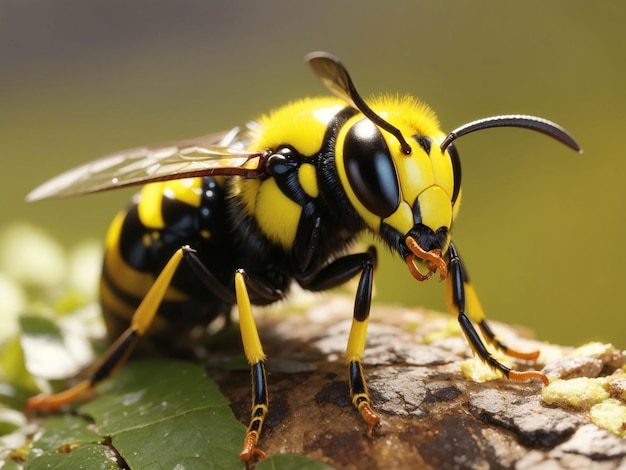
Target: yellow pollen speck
x: 581, y: 392
x: 451, y: 329
x: 610, y: 415
x: 477, y: 371
x: 602, y: 351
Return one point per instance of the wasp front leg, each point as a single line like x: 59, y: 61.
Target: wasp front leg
x: 336, y: 273
x: 459, y: 292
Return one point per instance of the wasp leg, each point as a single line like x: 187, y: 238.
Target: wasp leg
x: 250, y: 339
x: 477, y: 314
x: 335, y: 274
x: 119, y: 351
x: 256, y: 358
x: 222, y: 292
x: 458, y: 291
x: 307, y: 236
x: 207, y: 278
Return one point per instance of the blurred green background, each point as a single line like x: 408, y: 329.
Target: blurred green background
x: 541, y: 227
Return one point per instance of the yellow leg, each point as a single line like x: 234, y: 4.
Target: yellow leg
x: 358, y: 387
x: 256, y: 357
x: 356, y: 340
x: 119, y: 351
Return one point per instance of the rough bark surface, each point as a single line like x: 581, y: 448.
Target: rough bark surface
x: 432, y: 415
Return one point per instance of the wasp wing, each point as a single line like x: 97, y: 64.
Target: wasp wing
x: 215, y: 154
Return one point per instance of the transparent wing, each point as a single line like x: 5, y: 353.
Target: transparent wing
x: 216, y: 154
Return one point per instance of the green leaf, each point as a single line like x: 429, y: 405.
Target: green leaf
x: 291, y: 462
x: 167, y: 414
x: 63, y: 431
x: 68, y: 442
x: 17, y: 383
x: 90, y: 456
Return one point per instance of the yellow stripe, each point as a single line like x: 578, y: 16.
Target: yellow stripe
x: 308, y: 179
x: 356, y: 341
x: 249, y: 333
x: 277, y: 215
x: 187, y: 190
x: 113, y: 302
x: 118, y: 309
x: 113, y: 233
x: 149, y: 206
x: 132, y: 282
x: 126, y: 278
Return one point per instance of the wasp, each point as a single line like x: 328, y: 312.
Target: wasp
x: 234, y: 218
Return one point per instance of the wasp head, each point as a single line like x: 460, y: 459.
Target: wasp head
x: 407, y: 199
x: 401, y: 174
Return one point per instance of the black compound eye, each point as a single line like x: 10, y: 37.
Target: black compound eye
x: 370, y: 168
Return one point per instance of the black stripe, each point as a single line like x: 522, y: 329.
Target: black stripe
x: 259, y: 384
x: 255, y: 425
x: 479, y: 347
x: 125, y: 297
x: 491, y: 336
x: 113, y: 360
x: 357, y: 382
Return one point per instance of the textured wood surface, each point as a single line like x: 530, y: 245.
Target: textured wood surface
x: 433, y: 415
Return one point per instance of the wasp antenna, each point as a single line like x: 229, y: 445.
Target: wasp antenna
x: 335, y: 77
x: 534, y: 123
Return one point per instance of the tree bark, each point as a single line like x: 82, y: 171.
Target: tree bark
x: 433, y: 415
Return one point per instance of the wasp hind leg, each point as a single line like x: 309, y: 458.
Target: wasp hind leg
x: 118, y: 352
x: 459, y: 292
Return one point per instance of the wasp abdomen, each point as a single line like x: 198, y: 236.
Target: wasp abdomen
x: 162, y: 218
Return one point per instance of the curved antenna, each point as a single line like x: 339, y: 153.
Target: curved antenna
x: 534, y: 123
x: 335, y: 77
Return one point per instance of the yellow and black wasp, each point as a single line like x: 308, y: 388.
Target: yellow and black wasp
x: 234, y: 218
